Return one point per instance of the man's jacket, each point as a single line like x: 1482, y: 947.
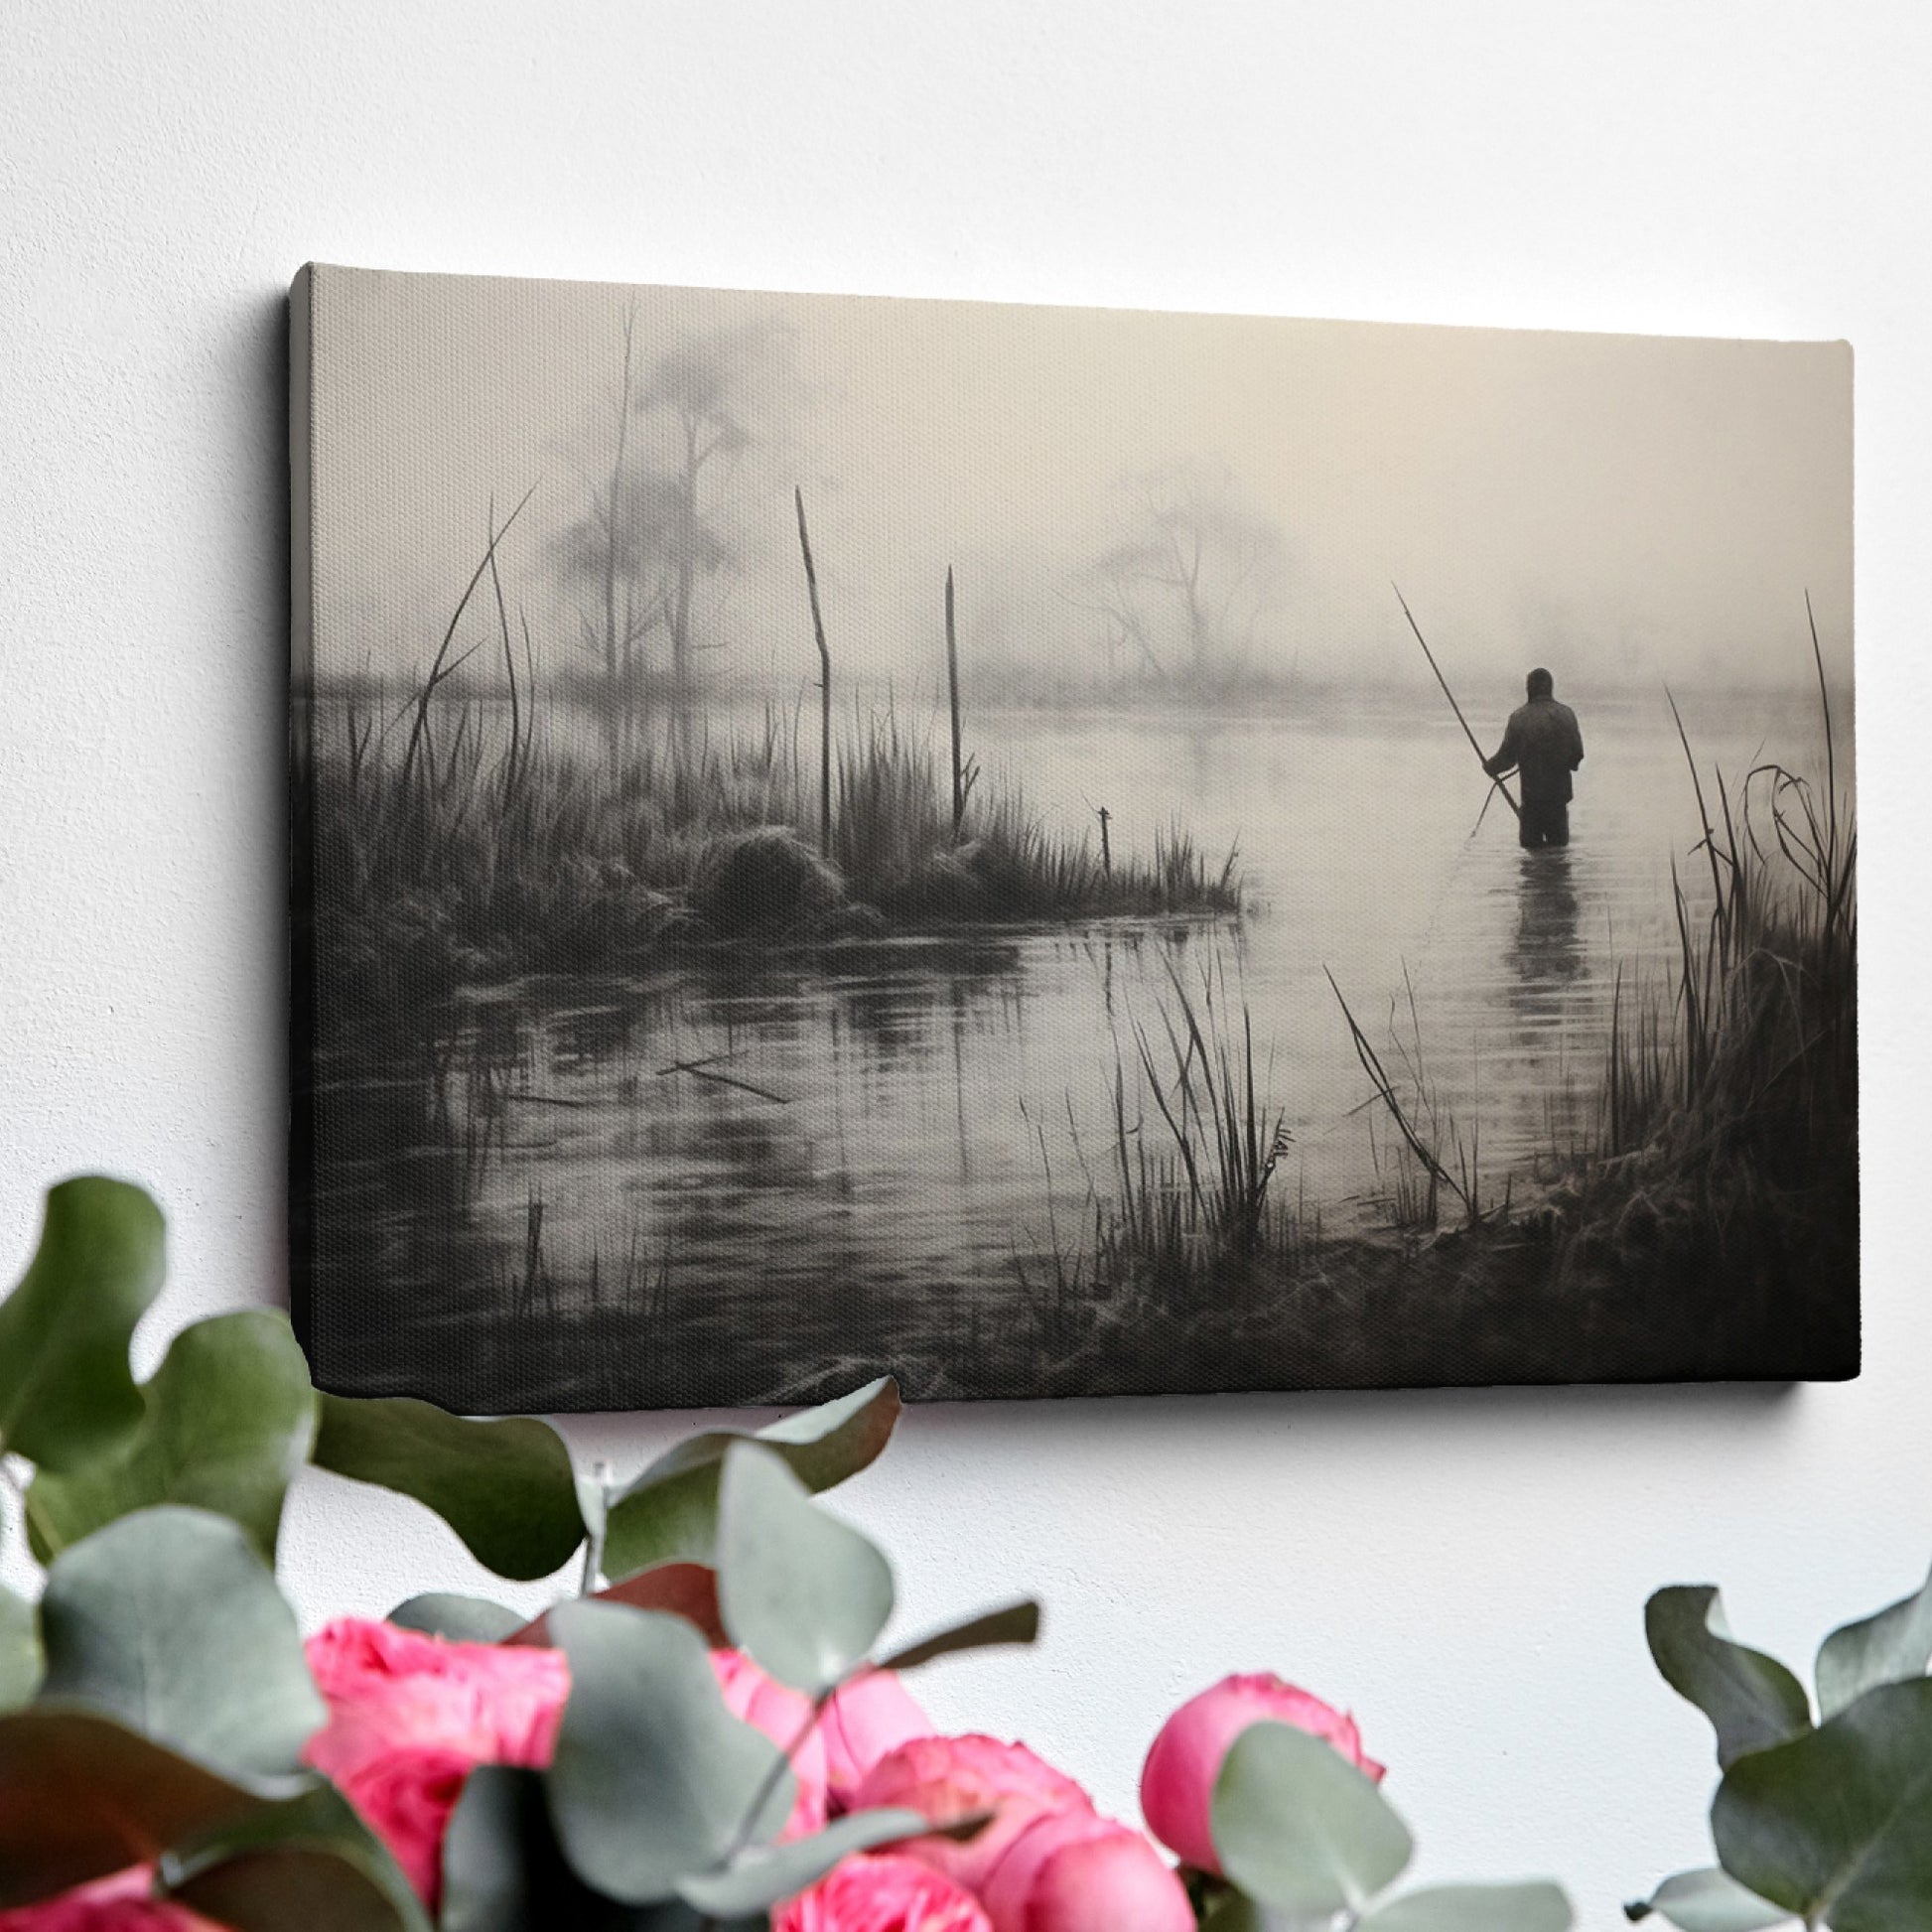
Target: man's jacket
x: 1545, y: 746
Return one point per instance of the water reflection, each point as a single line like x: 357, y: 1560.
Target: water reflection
x: 809, y: 1148
x: 1545, y: 950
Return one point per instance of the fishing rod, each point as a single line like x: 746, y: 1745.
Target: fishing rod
x: 1508, y: 797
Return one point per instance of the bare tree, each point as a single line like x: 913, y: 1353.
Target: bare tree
x: 605, y: 556
x: 658, y: 531
x: 1185, y: 589
x: 698, y: 404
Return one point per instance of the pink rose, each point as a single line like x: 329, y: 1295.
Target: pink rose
x: 862, y: 1722
x: 1177, y: 1782
x: 946, y: 1780
x: 1047, y: 1862
x: 1068, y: 1872
x: 881, y: 1893
x: 124, y: 1902
x: 388, y: 1687
x: 409, y: 1715
x: 782, y: 1713
x: 405, y: 1797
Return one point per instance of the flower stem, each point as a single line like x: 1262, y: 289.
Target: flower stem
x: 594, y: 1536
x: 770, y: 1783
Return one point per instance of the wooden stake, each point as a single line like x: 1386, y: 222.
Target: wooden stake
x: 952, y: 687
x: 824, y: 686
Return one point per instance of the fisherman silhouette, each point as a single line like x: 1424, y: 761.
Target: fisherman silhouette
x: 1543, y: 744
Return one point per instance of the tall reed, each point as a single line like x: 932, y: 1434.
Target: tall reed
x: 1185, y: 1209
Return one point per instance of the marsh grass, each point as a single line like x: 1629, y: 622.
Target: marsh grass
x: 462, y: 851
x: 1726, y: 1160
x: 1181, y: 1214
x: 1707, y: 1226
x: 1433, y: 1156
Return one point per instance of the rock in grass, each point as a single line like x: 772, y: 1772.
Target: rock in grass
x: 765, y: 880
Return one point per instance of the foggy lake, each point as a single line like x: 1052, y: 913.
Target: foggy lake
x: 765, y: 1135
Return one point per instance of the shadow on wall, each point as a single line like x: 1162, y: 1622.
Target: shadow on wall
x: 1194, y: 1423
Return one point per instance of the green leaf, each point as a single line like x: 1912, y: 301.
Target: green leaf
x: 507, y: 1487
x: 1532, y: 1905
x: 653, y: 1779
x: 664, y: 1518
x: 669, y: 1514
x: 824, y: 1446
x: 462, y: 1619
x: 306, y: 1865
x: 686, y: 1590
x: 1888, y: 1648
x: 1015, y: 1624
x: 226, y: 1425
x: 1751, y: 1699
x: 20, y: 1649
x: 1233, y: 1911
x: 168, y: 1621
x: 67, y: 1393
x: 1298, y: 1827
x: 1709, y: 1900
x: 802, y: 1595
x: 1837, y: 1824
x: 505, y: 1871
x: 81, y: 1796
x: 301, y: 1887
x: 762, y: 1874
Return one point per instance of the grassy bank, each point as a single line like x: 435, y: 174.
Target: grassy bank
x: 443, y: 853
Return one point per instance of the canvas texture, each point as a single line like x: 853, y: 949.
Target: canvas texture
x: 1027, y: 848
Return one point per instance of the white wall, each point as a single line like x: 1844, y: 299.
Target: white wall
x: 1466, y: 1570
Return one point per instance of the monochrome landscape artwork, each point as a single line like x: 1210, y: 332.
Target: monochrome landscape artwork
x: 1060, y: 851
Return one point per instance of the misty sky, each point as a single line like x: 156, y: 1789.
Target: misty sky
x: 1621, y: 508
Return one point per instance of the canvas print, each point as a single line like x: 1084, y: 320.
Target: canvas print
x: 1061, y: 852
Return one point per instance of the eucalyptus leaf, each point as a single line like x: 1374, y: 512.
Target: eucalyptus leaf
x: 1298, y: 1827
x: 81, y: 1796
x: 664, y: 1518
x: 1751, y: 1699
x: 762, y: 1874
x: 227, y: 1423
x: 802, y: 1593
x: 301, y: 1886
x: 1234, y: 1911
x: 67, y: 1393
x: 669, y: 1513
x: 825, y: 1444
x: 462, y: 1619
x: 505, y: 1871
x: 168, y: 1621
x: 1015, y: 1624
x: 686, y: 1590
x: 1532, y: 1905
x: 20, y: 1649
x: 1709, y: 1900
x: 503, y: 1868
x: 653, y: 1779
x: 1894, y: 1645
x: 1836, y: 1826
x: 506, y: 1488
x: 309, y: 1865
